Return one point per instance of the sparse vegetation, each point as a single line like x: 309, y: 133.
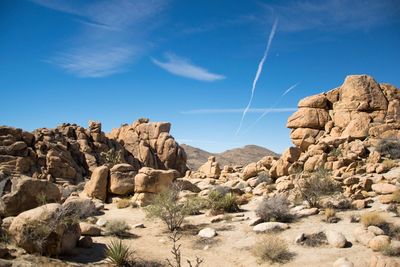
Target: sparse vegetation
x: 391, y: 251
x: 166, y: 207
x: 330, y: 215
x: 372, y: 218
x: 396, y: 196
x: 335, y: 152
x: 222, y: 202
x: 123, y: 203
x: 118, y: 253
x: 389, y: 147
x: 315, y: 239
x: 117, y: 228
x: 388, y: 164
x: 41, y: 198
x: 273, y: 249
x: 275, y: 208
x: 111, y: 157
x: 315, y: 186
x: 176, y: 252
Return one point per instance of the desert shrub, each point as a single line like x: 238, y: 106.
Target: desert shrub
x: 177, y: 255
x: 220, y: 202
x: 372, y: 218
x: 118, y: 253
x: 111, y: 157
x: 330, y: 216
x: 275, y: 208
x: 123, y: 203
x: 389, y: 147
x: 335, y: 152
x: 38, y: 233
x: 391, y: 251
x: 273, y: 249
x: 388, y: 164
x: 166, y: 207
x: 317, y: 185
x: 391, y: 230
x: 117, y: 228
x: 315, y: 239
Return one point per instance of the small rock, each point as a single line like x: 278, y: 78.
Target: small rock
x: 139, y: 225
x: 362, y: 236
x: 207, y: 232
x: 378, y: 242
x: 89, y: 229
x: 85, y: 242
x: 375, y: 230
x: 335, y: 239
x: 300, y: 238
x: 217, y: 218
x: 343, y: 262
x: 359, y: 204
x: 270, y: 226
x: 101, y: 222
x: 255, y: 221
x: 307, y: 212
x: 7, y: 222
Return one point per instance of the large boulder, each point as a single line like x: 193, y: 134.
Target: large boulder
x: 28, y: 193
x: 44, y: 230
x: 211, y: 168
x: 151, y: 143
x: 97, y: 186
x: 122, y: 179
x: 149, y: 180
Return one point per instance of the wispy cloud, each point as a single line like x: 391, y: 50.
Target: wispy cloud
x: 328, y: 15
x: 112, y: 34
x: 183, y: 67
x: 258, y: 73
x: 238, y: 110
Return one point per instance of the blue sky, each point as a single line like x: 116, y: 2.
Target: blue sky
x: 192, y: 63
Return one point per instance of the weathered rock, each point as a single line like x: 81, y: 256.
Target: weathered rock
x: 149, y: 180
x: 89, y: 229
x: 122, y: 179
x: 48, y: 222
x: 28, y: 193
x: 82, y: 207
x: 85, y: 242
x: 97, y: 186
x: 211, y: 168
x: 207, y: 232
x: 250, y: 170
x: 384, y: 188
x: 379, y: 242
x: 270, y: 226
x: 336, y: 239
x: 343, y: 262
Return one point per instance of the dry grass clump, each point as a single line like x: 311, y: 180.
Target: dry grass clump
x: 317, y: 185
x: 315, y: 239
x: 396, y: 196
x: 389, y: 147
x: 123, y: 203
x: 388, y: 164
x: 391, y: 251
x: 273, y: 249
x: 275, y: 209
x: 117, y: 228
x: 372, y: 218
x: 119, y: 254
x: 330, y: 215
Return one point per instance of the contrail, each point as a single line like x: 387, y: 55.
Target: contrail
x: 273, y: 106
x: 258, y: 73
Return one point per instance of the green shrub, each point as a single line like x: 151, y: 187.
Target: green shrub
x: 389, y: 147
x: 111, y: 157
x: 335, y: 152
x: 117, y: 228
x: 118, y: 253
x: 317, y: 185
x: 275, y: 208
x: 372, y: 218
x: 391, y: 251
x: 220, y: 202
x: 273, y: 249
x: 166, y: 207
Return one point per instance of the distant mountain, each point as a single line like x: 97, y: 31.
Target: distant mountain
x: 236, y: 156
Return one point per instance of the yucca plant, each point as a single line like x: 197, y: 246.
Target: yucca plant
x: 118, y: 253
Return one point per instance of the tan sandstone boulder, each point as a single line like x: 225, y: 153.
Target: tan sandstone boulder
x: 97, y: 186
x: 122, y: 179
x: 149, y: 180
x: 211, y: 168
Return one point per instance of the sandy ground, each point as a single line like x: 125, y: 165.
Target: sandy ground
x: 233, y: 244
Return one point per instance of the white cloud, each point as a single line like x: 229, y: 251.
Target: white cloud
x: 183, y: 67
x: 112, y: 34
x: 238, y: 110
x: 303, y: 15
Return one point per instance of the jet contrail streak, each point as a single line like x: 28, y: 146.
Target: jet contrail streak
x: 258, y: 73
x: 273, y: 106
